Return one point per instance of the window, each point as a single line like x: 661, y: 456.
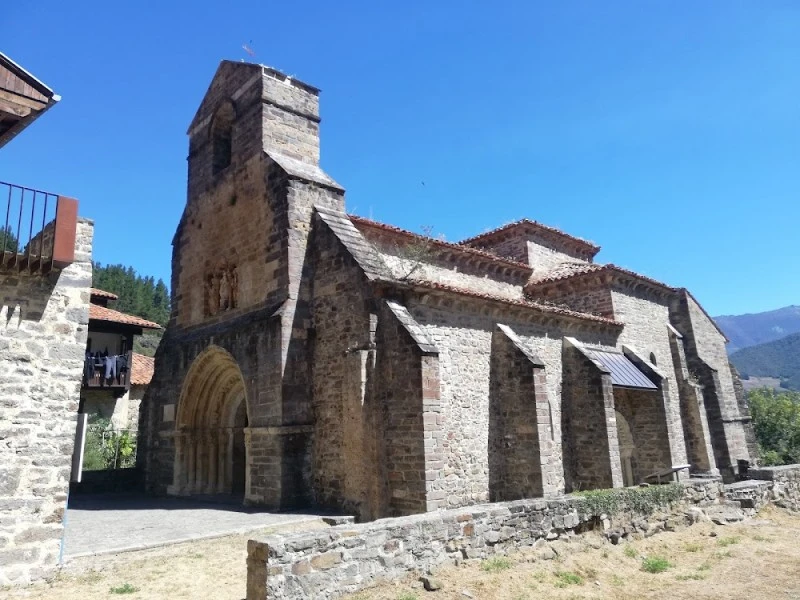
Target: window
x: 221, y: 130
x: 653, y: 359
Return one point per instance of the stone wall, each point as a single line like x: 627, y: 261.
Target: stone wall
x: 462, y: 331
x: 43, y: 332
x: 643, y: 410
x: 785, y: 491
x: 646, y: 319
x: 707, y: 360
x: 344, y: 559
x: 590, y: 446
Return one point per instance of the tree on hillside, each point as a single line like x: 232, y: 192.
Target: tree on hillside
x: 8, y: 241
x: 138, y: 295
x: 776, y: 419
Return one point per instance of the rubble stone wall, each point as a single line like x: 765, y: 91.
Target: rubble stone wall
x: 43, y: 332
x: 344, y: 559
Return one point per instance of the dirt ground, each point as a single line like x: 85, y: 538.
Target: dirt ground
x: 755, y: 560
x: 213, y: 568
x: 759, y: 559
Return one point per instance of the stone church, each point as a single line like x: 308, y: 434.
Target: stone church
x: 318, y: 359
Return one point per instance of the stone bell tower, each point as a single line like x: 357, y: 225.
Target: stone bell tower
x: 239, y: 258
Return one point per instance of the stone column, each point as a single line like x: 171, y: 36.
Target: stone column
x: 213, y: 462
x: 222, y: 460
x: 202, y: 463
x: 191, y: 455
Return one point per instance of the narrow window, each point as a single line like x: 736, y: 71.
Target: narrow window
x: 653, y: 359
x: 221, y: 130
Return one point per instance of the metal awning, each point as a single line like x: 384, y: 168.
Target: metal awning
x: 623, y: 372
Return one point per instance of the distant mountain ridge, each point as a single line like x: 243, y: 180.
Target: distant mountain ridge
x: 779, y: 359
x: 748, y: 330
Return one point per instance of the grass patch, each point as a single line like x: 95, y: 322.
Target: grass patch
x: 760, y: 538
x: 655, y: 564
x: 617, y: 580
x: 693, y: 547
x: 565, y: 578
x: 408, y: 596
x: 704, y: 567
x: 629, y: 551
x: 691, y: 577
x: 496, y: 564
x: 125, y: 588
x: 727, y: 541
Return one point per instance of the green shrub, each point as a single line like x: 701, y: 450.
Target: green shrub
x: 641, y: 500
x: 125, y: 588
x: 655, y: 564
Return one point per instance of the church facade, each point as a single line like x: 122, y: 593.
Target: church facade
x: 315, y: 358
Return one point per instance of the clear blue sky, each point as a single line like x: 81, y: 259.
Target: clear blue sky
x: 668, y: 132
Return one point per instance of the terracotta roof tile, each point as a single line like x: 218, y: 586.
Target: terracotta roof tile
x: 543, y: 308
x: 488, y: 256
x: 587, y: 246
x: 142, y: 369
x: 103, y: 294
x: 575, y: 271
x: 101, y: 313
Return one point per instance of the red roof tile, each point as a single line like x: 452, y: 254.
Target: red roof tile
x: 360, y: 222
x: 568, y: 272
x: 585, y: 245
x: 142, y: 369
x: 543, y: 308
x: 101, y: 313
x: 104, y: 294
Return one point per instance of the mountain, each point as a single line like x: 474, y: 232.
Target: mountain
x: 779, y: 358
x: 748, y: 330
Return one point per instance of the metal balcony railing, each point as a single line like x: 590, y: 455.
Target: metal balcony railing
x: 37, y: 229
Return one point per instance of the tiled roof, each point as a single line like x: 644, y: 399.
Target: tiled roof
x: 464, y: 250
x: 101, y: 313
x: 586, y: 245
x: 542, y: 308
x: 103, y: 294
x: 142, y: 369
x: 569, y: 271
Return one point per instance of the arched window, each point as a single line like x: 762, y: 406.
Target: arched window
x: 653, y: 359
x: 221, y: 129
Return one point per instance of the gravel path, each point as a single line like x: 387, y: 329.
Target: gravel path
x: 101, y: 524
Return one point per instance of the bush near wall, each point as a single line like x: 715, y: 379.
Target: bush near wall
x: 776, y: 420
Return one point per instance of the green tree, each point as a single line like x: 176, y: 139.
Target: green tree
x: 8, y: 241
x: 776, y: 420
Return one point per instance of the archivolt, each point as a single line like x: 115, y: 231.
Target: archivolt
x: 211, y: 391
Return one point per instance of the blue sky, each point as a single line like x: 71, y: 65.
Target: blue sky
x: 667, y: 132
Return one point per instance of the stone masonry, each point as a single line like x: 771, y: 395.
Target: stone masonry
x: 314, y: 358
x: 43, y: 332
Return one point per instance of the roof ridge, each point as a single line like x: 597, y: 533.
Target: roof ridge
x: 595, y: 248
x: 458, y: 247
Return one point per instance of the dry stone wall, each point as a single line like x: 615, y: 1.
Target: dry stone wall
x: 43, y: 332
x: 344, y: 559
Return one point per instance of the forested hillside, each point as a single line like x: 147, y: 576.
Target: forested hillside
x: 748, y: 330
x: 138, y: 295
x: 780, y: 359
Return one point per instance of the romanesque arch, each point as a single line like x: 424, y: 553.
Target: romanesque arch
x: 211, y: 452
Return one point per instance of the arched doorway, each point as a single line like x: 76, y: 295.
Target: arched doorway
x: 210, y: 444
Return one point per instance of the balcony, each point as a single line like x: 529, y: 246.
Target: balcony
x: 117, y: 378
x: 37, y: 230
